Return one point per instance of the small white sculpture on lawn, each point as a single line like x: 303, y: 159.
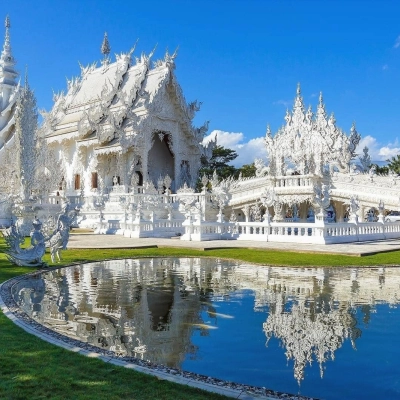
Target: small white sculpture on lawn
x: 30, y: 257
x: 59, y: 239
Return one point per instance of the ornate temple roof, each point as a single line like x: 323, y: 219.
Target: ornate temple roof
x: 310, y: 142
x: 113, y: 99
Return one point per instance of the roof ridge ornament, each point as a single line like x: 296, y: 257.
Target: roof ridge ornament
x: 26, y: 82
x: 105, y: 50
x: 298, y: 102
x: 133, y: 48
x: 322, y: 116
x: 268, y: 133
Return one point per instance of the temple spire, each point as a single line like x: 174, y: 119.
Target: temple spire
x: 6, y: 55
x: 8, y: 74
x: 321, y: 99
x: 268, y: 133
x: 321, y: 112
x: 298, y: 102
x: 105, y: 50
x: 105, y: 46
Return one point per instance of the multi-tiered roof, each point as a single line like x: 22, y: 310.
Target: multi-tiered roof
x: 109, y: 105
x: 309, y: 142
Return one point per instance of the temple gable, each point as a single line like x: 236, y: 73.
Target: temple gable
x: 125, y: 117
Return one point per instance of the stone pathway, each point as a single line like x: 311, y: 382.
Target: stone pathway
x: 91, y: 241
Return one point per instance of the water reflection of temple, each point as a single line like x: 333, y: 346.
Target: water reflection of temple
x: 312, y: 310
x: 149, y: 308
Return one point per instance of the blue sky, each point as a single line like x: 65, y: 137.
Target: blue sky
x: 242, y: 59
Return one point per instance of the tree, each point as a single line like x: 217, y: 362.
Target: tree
x: 394, y: 164
x: 381, y: 170
x: 247, y: 171
x: 219, y: 162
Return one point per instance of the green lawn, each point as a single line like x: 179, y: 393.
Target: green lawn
x: 33, y: 369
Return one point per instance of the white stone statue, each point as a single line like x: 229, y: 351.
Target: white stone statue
x: 261, y: 168
x: 354, y: 206
x: 30, y: 257
x: 372, y: 172
x: 365, y: 160
x: 59, y: 239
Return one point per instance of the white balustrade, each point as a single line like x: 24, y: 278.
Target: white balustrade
x: 117, y: 221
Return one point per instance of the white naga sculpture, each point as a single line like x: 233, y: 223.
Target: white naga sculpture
x: 32, y: 256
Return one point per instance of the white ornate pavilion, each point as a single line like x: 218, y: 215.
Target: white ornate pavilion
x: 120, y: 144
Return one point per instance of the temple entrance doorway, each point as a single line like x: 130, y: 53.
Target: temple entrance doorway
x: 161, y: 160
x: 139, y: 178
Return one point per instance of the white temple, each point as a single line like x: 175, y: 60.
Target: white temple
x: 124, y: 122
x: 120, y: 145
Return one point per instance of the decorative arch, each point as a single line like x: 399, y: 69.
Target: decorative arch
x: 161, y: 157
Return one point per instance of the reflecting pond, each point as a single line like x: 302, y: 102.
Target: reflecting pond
x: 327, y: 332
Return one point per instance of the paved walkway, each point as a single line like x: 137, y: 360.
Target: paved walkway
x: 91, y: 241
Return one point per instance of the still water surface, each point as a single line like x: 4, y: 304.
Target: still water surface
x: 331, y: 333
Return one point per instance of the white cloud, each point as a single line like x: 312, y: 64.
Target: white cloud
x: 378, y: 151
x: 385, y: 67
x: 397, y: 42
x: 285, y: 103
x: 388, y: 152
x: 255, y: 148
x: 247, y: 150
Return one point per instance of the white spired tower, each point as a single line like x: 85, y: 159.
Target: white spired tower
x: 9, y: 88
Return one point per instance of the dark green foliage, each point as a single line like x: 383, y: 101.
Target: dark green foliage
x: 394, y: 164
x: 381, y: 170
x: 219, y: 162
x: 247, y: 170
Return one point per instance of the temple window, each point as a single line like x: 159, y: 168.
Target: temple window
x: 77, y: 181
x: 61, y: 185
x: 116, y: 180
x: 94, y: 180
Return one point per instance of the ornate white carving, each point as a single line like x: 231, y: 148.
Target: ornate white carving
x: 308, y: 144
x: 30, y: 257
x: 365, y: 160
x: 261, y: 168
x: 59, y: 239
